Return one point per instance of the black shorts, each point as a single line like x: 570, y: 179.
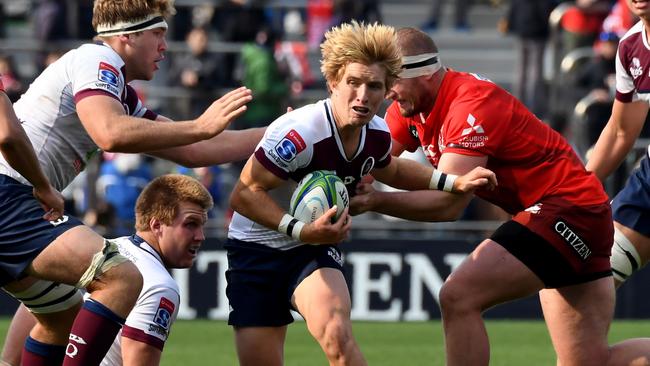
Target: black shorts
x: 631, y: 206
x: 23, y: 232
x: 261, y: 280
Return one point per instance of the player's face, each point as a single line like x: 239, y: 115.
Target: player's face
x: 640, y: 8
x: 356, y: 98
x: 179, y: 242
x: 409, y: 95
x: 148, y: 49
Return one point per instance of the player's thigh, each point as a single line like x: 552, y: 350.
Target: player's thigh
x: 488, y: 276
x: 68, y: 257
x: 323, y: 293
x: 640, y: 241
x: 260, y: 345
x: 578, y: 318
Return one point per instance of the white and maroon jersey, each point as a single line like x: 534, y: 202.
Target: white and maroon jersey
x: 633, y: 66
x: 156, y: 309
x: 301, y: 142
x: 48, y: 111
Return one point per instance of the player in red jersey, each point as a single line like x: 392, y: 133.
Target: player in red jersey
x: 559, y: 239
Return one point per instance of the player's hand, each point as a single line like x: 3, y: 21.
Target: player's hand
x: 223, y: 111
x: 478, y: 177
x: 363, y: 199
x: 52, y: 202
x: 323, y: 231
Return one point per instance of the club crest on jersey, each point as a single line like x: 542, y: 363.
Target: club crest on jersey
x: 636, y: 69
x: 367, y: 166
x: 164, y: 313
x: 290, y: 146
x: 108, y: 74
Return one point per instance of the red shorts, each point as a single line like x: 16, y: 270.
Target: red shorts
x: 562, y: 243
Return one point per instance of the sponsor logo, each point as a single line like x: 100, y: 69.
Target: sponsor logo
x: 636, y: 69
x: 289, y: 147
x: 164, y: 313
x: 155, y: 328
x: 344, y: 196
x: 414, y: 132
x: 572, y: 239
x: 108, y: 74
x: 335, y: 255
x: 273, y: 156
x: 61, y: 220
x: 474, y: 135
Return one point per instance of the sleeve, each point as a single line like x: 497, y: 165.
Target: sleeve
x: 96, y: 73
x: 151, y: 319
x: 400, y: 129
x: 624, y: 81
x: 286, y: 147
x: 134, y: 105
x: 470, y: 128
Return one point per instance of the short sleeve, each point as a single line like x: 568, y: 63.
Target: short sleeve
x: 285, y: 148
x: 624, y: 81
x: 151, y: 319
x: 471, y: 129
x: 96, y: 73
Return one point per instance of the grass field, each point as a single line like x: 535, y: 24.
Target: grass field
x: 202, y: 342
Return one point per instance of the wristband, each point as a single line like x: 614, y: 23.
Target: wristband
x: 291, y: 226
x: 442, y: 181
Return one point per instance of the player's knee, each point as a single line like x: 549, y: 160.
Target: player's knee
x: 625, y: 259
x: 335, y: 336
x: 454, y: 299
x: 115, y: 270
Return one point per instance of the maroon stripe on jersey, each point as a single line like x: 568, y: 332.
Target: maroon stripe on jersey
x: 140, y: 336
x: 90, y: 92
x: 624, y: 97
x: 268, y: 164
x: 150, y: 115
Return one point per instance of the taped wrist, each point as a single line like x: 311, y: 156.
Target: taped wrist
x: 291, y: 226
x: 442, y: 181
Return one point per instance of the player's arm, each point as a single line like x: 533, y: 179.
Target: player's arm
x: 618, y: 137
x: 113, y: 130
x: 19, y: 153
x: 411, y: 175
x: 250, y: 198
x: 422, y: 205
x: 228, y: 146
x: 136, y: 353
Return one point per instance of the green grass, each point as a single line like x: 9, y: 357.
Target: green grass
x: 203, y: 342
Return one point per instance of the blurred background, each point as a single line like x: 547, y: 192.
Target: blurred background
x: 555, y: 56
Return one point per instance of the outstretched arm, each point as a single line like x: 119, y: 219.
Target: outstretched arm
x: 421, y: 205
x: 136, y: 353
x: 411, y: 175
x: 19, y: 153
x: 617, y: 138
x: 113, y: 130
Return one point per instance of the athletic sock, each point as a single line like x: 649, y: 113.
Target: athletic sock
x: 92, y: 334
x: 36, y: 353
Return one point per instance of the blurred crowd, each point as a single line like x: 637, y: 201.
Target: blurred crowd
x: 273, y: 50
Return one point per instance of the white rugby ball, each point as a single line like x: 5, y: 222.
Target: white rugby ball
x: 316, y: 193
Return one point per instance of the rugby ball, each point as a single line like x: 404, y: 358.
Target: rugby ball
x: 316, y: 193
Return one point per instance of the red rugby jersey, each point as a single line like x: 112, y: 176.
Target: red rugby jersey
x: 473, y: 116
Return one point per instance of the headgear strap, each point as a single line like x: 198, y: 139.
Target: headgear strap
x: 419, y: 65
x: 151, y: 22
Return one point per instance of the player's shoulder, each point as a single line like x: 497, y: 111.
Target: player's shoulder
x: 309, y: 120
x: 632, y: 33
x: 92, y: 54
x: 378, y: 123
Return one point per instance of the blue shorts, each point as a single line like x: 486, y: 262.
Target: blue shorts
x: 261, y: 280
x: 631, y: 206
x: 23, y: 232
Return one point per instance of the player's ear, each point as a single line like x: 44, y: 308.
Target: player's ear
x: 155, y: 225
